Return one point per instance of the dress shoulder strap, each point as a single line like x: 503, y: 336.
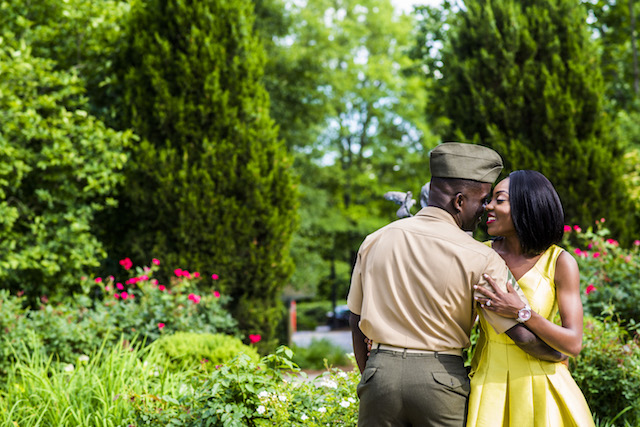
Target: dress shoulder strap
x: 548, y: 261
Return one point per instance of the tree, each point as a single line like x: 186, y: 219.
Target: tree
x: 614, y: 24
x: 367, y: 135
x: 209, y: 187
x: 523, y: 78
x: 59, y: 166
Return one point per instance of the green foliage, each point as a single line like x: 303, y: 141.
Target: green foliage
x: 209, y: 185
x: 319, y: 354
x: 523, y: 78
x: 188, y: 350
x: 608, y: 370
x: 246, y: 393
x: 312, y: 314
x: 609, y: 274
x: 60, y: 166
x: 367, y: 133
x: 142, y: 309
x: 78, y: 35
x: 97, y: 390
x: 612, y: 22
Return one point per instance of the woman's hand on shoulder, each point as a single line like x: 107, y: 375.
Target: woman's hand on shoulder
x: 505, y: 304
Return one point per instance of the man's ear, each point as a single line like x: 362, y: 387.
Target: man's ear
x: 458, y: 201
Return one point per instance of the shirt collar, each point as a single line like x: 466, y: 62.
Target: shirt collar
x: 437, y: 213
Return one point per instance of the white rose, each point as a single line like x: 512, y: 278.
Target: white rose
x: 261, y: 410
x: 345, y: 404
x: 329, y: 384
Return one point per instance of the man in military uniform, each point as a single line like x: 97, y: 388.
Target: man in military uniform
x: 412, y: 295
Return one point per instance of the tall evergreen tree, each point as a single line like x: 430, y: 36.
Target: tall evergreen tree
x: 523, y: 78
x: 209, y: 187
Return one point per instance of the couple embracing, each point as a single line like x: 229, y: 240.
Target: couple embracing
x: 418, y: 285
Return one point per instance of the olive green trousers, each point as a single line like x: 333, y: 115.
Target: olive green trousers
x: 413, y: 390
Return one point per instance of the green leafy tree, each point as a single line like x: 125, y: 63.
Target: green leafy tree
x: 59, y: 166
x: 523, y: 78
x: 366, y: 133
x: 209, y: 186
x: 79, y: 35
x: 615, y: 25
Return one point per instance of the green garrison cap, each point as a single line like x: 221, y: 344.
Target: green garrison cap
x: 465, y: 161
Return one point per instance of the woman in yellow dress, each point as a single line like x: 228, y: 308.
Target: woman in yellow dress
x: 508, y: 386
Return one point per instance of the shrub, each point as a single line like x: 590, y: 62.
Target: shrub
x: 320, y: 354
x: 60, y: 167
x: 140, y: 308
x: 209, y: 181
x: 609, y: 273
x: 187, y: 350
x: 246, y: 393
x: 608, y: 370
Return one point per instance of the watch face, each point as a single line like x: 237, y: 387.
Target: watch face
x: 524, y: 315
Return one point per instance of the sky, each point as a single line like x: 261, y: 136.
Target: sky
x: 407, y: 5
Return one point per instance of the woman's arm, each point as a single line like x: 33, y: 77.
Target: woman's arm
x: 566, y: 338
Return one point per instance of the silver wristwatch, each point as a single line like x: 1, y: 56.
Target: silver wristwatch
x: 524, y: 314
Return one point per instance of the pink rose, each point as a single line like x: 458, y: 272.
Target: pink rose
x: 160, y: 325
x: 126, y: 263
x: 98, y: 279
x: 124, y: 295
x: 567, y: 229
x: 254, y: 338
x: 119, y: 286
x: 177, y: 272
x: 216, y: 294
x: 577, y: 228
x: 156, y: 261
x: 161, y: 287
x: 589, y: 289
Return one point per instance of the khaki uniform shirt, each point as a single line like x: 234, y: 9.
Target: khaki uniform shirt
x: 412, y: 283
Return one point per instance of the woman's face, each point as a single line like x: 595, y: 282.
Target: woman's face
x: 499, y: 222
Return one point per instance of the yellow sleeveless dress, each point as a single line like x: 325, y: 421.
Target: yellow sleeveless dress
x: 511, y: 388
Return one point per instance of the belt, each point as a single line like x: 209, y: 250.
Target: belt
x: 450, y: 352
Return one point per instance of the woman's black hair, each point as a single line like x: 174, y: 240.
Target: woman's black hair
x: 536, y: 211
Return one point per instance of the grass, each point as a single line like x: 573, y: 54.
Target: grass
x: 97, y: 392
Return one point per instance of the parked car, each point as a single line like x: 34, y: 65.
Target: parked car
x: 339, y: 318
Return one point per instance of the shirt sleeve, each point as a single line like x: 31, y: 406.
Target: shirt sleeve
x: 497, y: 269
x: 354, y: 299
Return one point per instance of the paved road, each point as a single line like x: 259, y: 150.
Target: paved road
x: 340, y: 338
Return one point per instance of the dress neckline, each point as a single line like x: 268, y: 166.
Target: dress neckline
x: 532, y: 267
